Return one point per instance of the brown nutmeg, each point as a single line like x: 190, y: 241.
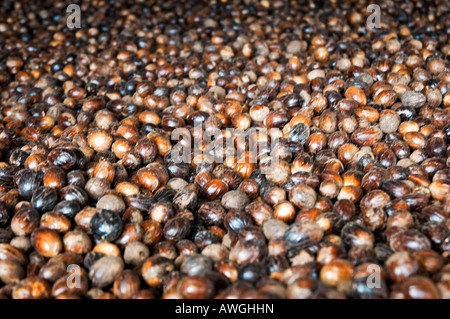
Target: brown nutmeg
x: 366, y: 136
x: 196, y: 287
x: 336, y: 272
x: 126, y: 284
x: 100, y: 141
x: 214, y: 189
x: 148, y: 179
x: 356, y: 94
x: 47, y: 242
x: 284, y: 211
x: 303, y: 196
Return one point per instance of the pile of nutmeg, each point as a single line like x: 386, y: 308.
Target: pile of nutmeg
x: 316, y: 149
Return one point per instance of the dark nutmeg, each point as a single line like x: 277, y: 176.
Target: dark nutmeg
x: 177, y: 228
x: 44, y: 199
x: 106, y: 225
x: 237, y: 220
x: 303, y: 233
x: 211, y: 214
x: 28, y: 182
